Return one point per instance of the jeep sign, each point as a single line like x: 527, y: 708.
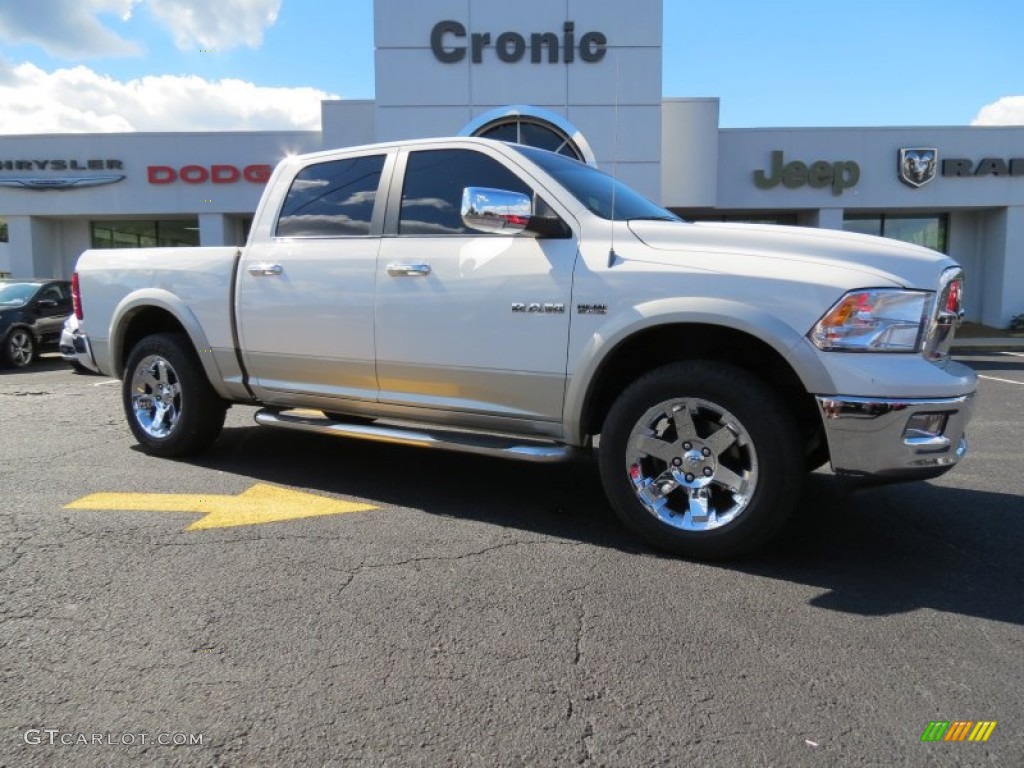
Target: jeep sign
x: 839, y: 175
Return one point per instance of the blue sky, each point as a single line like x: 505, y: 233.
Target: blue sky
x: 79, y: 64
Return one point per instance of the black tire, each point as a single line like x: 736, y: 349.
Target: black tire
x: 170, y: 406
x: 19, y: 348
x: 726, y: 494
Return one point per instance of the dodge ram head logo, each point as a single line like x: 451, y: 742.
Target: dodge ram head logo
x: 917, y: 165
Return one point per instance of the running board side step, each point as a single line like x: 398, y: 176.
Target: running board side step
x: 466, y: 442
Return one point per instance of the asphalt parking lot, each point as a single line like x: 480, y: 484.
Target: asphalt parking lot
x: 455, y: 610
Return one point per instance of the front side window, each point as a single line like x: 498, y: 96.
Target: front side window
x: 333, y: 199
x: 602, y: 194
x: 434, y: 181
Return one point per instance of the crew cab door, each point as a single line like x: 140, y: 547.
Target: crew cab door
x: 468, y: 322
x: 305, y: 292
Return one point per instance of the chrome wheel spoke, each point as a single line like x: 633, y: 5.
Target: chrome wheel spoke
x: 159, y: 416
x: 161, y: 372
x: 148, y: 380
x: 729, y: 480
x: 720, y: 441
x: 656, y: 448
x: 699, y: 510
x: 683, y: 420
x: 653, y: 493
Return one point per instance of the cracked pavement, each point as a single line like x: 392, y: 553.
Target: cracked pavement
x: 490, y: 613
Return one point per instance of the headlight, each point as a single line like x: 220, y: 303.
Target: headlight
x: 875, y: 320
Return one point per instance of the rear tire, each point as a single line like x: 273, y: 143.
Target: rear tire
x: 702, y: 459
x: 171, y: 408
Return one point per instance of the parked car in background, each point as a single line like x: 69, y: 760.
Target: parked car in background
x: 32, y: 314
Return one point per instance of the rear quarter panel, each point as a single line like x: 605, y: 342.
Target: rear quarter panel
x: 193, y: 284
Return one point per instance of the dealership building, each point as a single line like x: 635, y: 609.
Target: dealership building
x: 582, y: 77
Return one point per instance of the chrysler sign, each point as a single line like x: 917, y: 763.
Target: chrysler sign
x: 37, y: 167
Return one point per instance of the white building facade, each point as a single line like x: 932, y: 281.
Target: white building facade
x: 583, y: 77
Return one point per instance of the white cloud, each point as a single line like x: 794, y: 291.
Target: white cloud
x: 1008, y: 110
x: 67, y: 28
x: 81, y: 100
x: 215, y: 23
x: 74, y: 29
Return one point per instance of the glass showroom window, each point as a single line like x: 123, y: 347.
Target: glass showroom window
x: 133, y: 233
x: 532, y: 132
x: 929, y: 230
x: 533, y: 127
x: 782, y: 219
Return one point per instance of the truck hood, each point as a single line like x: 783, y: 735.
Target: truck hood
x: 880, y: 260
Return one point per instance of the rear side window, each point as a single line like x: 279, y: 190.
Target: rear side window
x: 58, y: 292
x: 432, y: 193
x: 332, y: 199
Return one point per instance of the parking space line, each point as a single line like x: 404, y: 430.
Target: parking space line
x: 108, y: 381
x: 1005, y: 381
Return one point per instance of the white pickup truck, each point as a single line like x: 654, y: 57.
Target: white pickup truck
x: 499, y: 299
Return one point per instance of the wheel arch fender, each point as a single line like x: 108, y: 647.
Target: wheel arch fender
x: 608, y: 342
x: 156, y: 310
x: 24, y: 325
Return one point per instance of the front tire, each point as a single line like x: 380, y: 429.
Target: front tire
x: 19, y: 348
x: 701, y: 459
x: 171, y: 408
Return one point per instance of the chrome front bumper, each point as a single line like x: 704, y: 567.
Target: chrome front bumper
x: 874, y: 437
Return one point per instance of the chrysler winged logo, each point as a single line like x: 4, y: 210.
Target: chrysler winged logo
x: 67, y: 182
x: 917, y: 165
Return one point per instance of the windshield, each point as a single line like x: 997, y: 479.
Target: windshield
x: 596, y: 189
x: 16, y: 294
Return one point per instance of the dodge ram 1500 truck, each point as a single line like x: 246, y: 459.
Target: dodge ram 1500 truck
x: 500, y: 299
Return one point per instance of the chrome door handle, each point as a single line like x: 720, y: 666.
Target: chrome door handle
x: 408, y: 270
x: 258, y: 270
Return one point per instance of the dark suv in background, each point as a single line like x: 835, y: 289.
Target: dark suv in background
x: 32, y: 314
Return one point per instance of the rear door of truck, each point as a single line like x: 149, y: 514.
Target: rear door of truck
x: 306, y: 285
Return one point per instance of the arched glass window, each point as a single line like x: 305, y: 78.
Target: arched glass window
x: 534, y: 127
x: 533, y: 133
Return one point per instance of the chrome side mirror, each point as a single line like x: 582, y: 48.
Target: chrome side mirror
x: 496, y: 211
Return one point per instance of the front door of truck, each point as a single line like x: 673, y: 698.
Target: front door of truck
x: 468, y: 322
x: 305, y: 301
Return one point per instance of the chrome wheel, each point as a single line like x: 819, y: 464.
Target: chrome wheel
x: 701, y: 458
x: 692, y: 464
x: 20, y: 348
x: 170, y: 405
x: 156, y: 396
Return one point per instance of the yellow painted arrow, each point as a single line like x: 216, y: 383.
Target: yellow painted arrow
x: 259, y: 504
